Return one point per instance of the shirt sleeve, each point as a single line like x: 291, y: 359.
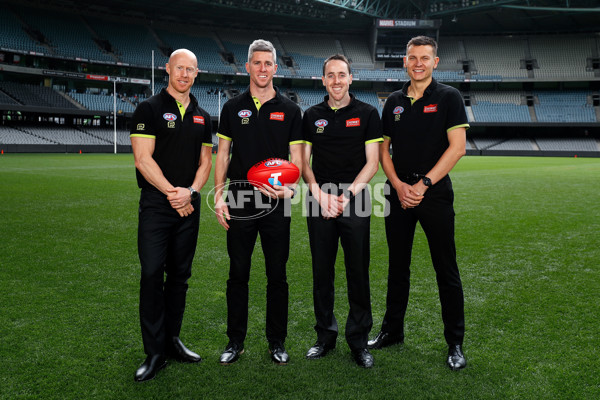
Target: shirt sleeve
x: 307, y: 127
x: 142, y: 122
x: 457, y: 115
x: 387, y: 118
x: 373, y: 133
x: 207, y: 139
x: 296, y: 135
x: 224, y: 131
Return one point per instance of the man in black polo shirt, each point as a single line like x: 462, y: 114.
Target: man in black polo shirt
x: 343, y: 134
x: 259, y: 124
x: 426, y: 123
x: 171, y: 141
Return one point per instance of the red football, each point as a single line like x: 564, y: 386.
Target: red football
x: 273, y: 171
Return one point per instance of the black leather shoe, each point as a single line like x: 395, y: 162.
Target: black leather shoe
x: 278, y: 353
x: 231, y: 353
x: 456, y: 358
x: 318, y: 350
x: 363, y: 358
x: 384, y: 339
x: 177, y: 351
x: 150, y: 367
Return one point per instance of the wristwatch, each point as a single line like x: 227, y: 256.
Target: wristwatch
x: 427, y: 181
x: 193, y: 193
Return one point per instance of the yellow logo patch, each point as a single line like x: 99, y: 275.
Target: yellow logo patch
x: 141, y: 127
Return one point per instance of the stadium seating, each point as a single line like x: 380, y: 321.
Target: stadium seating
x: 32, y: 95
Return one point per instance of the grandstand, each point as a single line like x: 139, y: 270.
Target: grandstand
x: 525, y: 92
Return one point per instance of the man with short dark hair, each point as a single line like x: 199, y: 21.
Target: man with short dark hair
x: 172, y: 141
x: 343, y: 135
x: 425, y: 122
x: 259, y: 124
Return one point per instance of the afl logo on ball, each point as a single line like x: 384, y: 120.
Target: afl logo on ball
x: 272, y: 163
x: 169, y: 116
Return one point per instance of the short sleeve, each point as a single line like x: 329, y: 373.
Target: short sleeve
x: 142, y: 122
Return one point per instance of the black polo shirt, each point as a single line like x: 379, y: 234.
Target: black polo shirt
x: 179, y: 139
x: 338, y: 139
x: 419, y: 131
x: 258, y: 134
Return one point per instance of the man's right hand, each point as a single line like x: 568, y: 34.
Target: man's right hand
x: 408, y: 196
x: 222, y: 212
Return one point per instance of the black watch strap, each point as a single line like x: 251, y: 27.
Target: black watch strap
x: 427, y: 181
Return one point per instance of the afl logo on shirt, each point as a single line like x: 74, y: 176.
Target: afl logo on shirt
x: 321, y: 124
x: 245, y: 116
x: 397, y: 111
x: 169, y: 116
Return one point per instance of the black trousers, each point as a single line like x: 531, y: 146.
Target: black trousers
x: 166, y: 245
x: 436, y: 216
x: 353, y: 230
x: 274, y: 229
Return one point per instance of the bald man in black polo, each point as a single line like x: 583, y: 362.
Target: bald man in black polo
x: 172, y: 142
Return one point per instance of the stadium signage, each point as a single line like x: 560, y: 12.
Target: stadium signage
x: 408, y: 23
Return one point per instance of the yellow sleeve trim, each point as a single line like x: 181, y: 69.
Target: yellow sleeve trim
x: 142, y: 136
x: 466, y: 126
x: 307, y: 142
x: 207, y: 144
x: 385, y: 137
x: 374, y: 140
x: 297, y: 142
x: 223, y: 137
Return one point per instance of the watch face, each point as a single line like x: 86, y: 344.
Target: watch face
x: 194, y: 194
x: 427, y: 181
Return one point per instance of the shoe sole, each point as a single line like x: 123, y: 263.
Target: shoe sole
x: 232, y: 361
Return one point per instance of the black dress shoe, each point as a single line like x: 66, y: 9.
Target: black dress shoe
x: 319, y: 349
x: 231, y: 353
x: 456, y: 358
x: 150, y: 367
x: 363, y: 358
x: 278, y: 353
x: 384, y: 339
x: 177, y: 351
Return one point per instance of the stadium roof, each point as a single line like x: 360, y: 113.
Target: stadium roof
x: 350, y: 16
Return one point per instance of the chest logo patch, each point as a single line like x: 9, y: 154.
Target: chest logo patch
x: 198, y: 120
x: 352, y: 122
x: 169, y: 116
x: 321, y: 124
x: 171, y: 124
x: 430, y: 108
x: 244, y: 113
x: 398, y: 110
x: 277, y: 116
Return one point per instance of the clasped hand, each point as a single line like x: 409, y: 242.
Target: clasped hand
x: 180, y: 199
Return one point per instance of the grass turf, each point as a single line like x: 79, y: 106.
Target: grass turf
x: 527, y: 237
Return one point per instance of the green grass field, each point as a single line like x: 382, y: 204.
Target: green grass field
x: 528, y: 246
